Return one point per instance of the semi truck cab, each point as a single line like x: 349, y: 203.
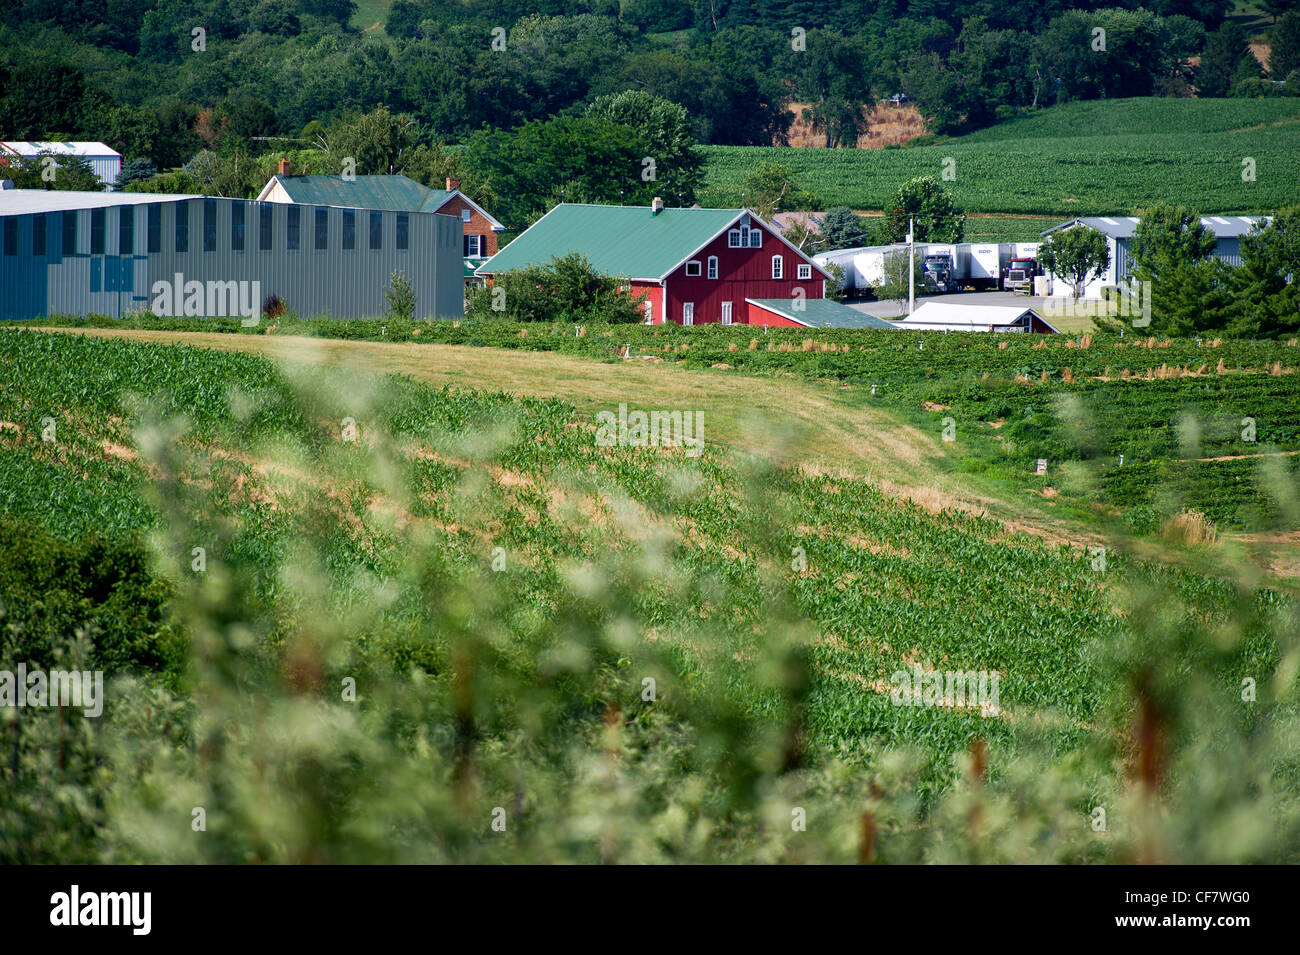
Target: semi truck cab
x: 1020, y: 275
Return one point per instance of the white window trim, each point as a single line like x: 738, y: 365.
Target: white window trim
x: 698, y: 269
x: 778, y: 267
x: 713, y: 267
x: 649, y: 307
x: 726, y: 313
x: 755, y: 238
x: 805, y: 272
x: 688, y: 313
x: 464, y: 215
x: 735, y: 239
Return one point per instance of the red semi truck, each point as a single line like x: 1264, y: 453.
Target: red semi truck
x: 1019, y: 274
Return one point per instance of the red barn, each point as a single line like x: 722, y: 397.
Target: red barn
x: 691, y: 266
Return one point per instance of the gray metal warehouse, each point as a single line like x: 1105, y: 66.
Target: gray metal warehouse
x: 114, y: 253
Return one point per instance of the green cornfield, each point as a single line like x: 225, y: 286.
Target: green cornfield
x: 1111, y: 157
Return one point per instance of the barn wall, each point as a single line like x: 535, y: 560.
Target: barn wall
x: 742, y: 273
x: 654, y: 294
x: 757, y: 315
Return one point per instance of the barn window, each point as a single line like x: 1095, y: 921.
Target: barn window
x: 403, y: 230
x: 70, y: 231
x: 182, y: 227
x: 713, y: 266
x: 734, y: 239
x: 349, y: 229
x: 294, y: 223
x: 726, y: 313
x: 464, y: 215
x: 209, y: 225
x: 97, y: 233
x: 688, y: 313
x: 693, y: 269
x: 322, y: 228
x: 649, y: 312
x: 11, y: 236
x: 778, y: 267
x: 376, y: 229
x: 805, y: 272
x: 126, y: 231
x: 755, y: 238
x: 153, y: 239
x: 265, y: 227
x: 238, y: 213
x: 38, y: 234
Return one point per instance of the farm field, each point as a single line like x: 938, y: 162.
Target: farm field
x: 1008, y: 228
x: 772, y: 605
x: 1093, y: 158
x: 1202, y: 425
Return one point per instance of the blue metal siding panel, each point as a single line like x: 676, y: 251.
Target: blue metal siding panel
x: 23, y: 286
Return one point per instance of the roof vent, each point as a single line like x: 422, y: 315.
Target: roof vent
x: 656, y: 206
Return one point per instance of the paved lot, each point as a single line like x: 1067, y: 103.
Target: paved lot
x: 891, y: 309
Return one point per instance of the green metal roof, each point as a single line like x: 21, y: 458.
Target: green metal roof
x: 435, y: 200
x: 821, y: 313
x: 394, y: 193
x: 622, y: 241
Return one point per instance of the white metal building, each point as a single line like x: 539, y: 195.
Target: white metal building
x: 1119, y: 231
x: 106, y: 162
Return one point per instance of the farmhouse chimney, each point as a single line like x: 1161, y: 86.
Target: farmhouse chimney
x: 452, y: 184
x: 656, y: 206
x: 284, y: 166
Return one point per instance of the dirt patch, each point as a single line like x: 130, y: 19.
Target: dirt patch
x: 887, y: 124
x: 119, y: 451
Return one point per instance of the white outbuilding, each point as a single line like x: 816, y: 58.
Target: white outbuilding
x: 953, y: 317
x: 104, y: 160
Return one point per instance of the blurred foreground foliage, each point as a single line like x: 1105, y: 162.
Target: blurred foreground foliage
x: 425, y: 612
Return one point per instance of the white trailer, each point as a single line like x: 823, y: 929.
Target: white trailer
x: 952, y: 266
x: 987, y: 262
x: 864, y: 267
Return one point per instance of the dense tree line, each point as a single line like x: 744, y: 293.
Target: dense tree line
x: 137, y: 73
x: 534, y: 102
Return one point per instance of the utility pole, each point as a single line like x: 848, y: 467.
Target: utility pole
x: 911, y: 266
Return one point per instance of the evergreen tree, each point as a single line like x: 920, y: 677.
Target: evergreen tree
x: 1220, y: 60
x: 1284, y: 49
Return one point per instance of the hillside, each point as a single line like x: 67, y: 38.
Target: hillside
x: 500, y: 587
x: 1095, y: 158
